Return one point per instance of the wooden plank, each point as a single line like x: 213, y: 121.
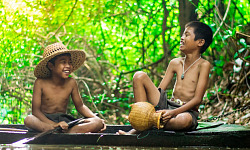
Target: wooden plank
x: 221, y: 136
x: 13, y: 129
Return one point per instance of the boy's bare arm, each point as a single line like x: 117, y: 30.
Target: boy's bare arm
x: 36, y: 102
x: 168, y: 75
x: 80, y: 107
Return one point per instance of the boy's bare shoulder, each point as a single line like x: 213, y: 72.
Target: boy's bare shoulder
x: 71, y: 80
x: 176, y: 61
x: 44, y: 81
x: 40, y: 81
x: 205, y: 64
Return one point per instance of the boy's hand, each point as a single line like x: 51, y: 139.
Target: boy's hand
x: 166, y: 115
x: 63, y: 125
x: 104, y: 126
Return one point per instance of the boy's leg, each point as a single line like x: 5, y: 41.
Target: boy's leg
x: 34, y: 123
x: 144, y: 89
x: 89, y: 125
x: 180, y: 122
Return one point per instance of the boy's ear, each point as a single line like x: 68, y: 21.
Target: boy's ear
x: 201, y: 42
x: 50, y: 65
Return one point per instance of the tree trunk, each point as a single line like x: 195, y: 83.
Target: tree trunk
x: 187, y: 12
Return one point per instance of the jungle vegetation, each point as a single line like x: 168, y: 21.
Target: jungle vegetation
x: 121, y: 37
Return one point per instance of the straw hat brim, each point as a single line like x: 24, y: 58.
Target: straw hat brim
x: 77, y: 57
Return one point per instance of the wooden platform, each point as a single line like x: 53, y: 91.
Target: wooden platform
x: 221, y: 136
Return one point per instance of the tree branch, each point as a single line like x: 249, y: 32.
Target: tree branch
x: 224, y: 18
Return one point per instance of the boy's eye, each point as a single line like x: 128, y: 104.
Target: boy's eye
x: 63, y: 62
x: 185, y: 34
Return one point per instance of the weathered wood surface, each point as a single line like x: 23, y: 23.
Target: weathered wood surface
x: 221, y: 136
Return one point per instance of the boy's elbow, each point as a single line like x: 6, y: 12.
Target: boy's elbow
x: 198, y: 101
x: 36, y: 112
x: 81, y: 108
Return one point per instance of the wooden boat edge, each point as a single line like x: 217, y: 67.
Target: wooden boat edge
x: 161, y: 138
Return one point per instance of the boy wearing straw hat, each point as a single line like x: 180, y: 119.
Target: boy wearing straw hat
x: 52, y: 90
x: 192, y: 74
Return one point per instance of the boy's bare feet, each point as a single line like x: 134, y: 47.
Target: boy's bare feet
x: 132, y: 131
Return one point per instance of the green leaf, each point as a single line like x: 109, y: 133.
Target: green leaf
x: 226, y: 37
x: 247, y: 57
x: 235, y: 55
x: 242, y: 50
x: 243, y: 42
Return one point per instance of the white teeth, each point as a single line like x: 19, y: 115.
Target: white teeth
x: 66, y: 71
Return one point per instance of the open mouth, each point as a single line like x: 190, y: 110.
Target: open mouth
x: 181, y: 43
x: 66, y: 71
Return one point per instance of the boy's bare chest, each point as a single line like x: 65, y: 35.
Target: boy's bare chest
x: 56, y: 93
x: 185, y: 87
x: 190, y: 76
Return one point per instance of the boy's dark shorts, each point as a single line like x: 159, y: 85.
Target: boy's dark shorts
x: 58, y: 117
x: 164, y: 103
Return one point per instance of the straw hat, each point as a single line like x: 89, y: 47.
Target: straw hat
x: 77, y: 58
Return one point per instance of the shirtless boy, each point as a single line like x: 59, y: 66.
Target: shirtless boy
x: 192, y: 74
x: 52, y: 90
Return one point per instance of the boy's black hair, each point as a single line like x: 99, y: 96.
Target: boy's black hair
x: 52, y: 60
x: 201, y: 31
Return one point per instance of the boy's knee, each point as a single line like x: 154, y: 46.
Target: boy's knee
x: 139, y: 75
x: 186, y: 120
x: 99, y: 123
x: 28, y: 120
x: 187, y: 124
x: 96, y: 125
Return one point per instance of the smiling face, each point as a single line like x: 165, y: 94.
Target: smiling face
x: 62, y: 66
x: 187, y: 43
